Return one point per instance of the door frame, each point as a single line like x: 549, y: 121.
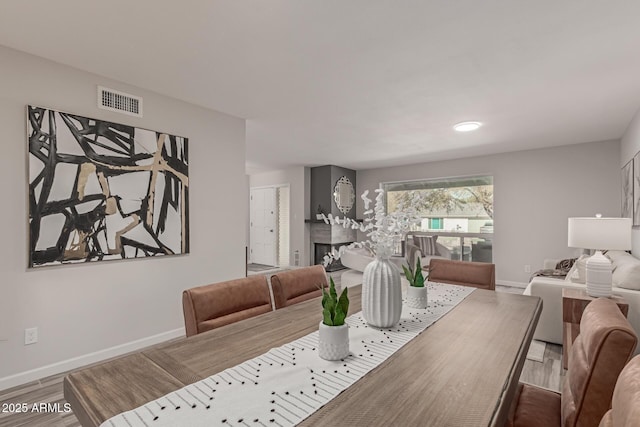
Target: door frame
x: 271, y: 257
x: 276, y: 187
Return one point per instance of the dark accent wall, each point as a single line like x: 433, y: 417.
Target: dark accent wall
x: 320, y: 194
x: 323, y: 181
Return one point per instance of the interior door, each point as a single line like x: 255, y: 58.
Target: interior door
x: 263, y: 226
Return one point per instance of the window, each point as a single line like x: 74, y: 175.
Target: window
x: 435, y: 223
x: 458, y: 210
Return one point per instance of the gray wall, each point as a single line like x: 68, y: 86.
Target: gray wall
x: 338, y: 172
x: 91, y: 311
x: 321, y: 201
x: 323, y: 182
x: 629, y: 147
x: 297, y: 179
x: 534, y: 193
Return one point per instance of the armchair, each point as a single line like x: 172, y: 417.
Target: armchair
x: 425, y: 246
x: 211, y: 306
x: 476, y: 274
x: 301, y: 284
x: 625, y: 408
x: 605, y: 344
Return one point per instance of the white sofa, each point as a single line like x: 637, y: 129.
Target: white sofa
x: 626, y: 283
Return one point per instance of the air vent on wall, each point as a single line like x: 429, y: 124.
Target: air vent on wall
x: 113, y: 100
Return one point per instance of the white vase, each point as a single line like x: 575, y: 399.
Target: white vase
x: 333, y: 341
x: 416, y: 297
x: 381, y: 293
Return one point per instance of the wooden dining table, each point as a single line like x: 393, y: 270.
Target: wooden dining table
x: 461, y: 371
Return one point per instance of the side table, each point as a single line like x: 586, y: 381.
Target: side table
x: 573, y: 303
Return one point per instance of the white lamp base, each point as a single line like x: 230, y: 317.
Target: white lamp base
x: 598, y: 276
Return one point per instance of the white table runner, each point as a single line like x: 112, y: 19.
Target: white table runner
x: 287, y: 384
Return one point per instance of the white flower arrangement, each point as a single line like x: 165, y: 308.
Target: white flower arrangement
x: 384, y: 231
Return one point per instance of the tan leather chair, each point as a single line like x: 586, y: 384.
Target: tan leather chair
x: 294, y: 286
x: 625, y: 411
x: 605, y: 344
x: 477, y: 274
x: 211, y: 306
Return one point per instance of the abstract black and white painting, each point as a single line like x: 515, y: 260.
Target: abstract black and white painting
x: 627, y: 190
x: 101, y: 191
x: 636, y: 190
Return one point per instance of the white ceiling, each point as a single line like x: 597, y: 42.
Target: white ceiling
x: 362, y: 83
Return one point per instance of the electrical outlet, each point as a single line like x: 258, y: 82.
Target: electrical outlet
x: 30, y: 336
x: 527, y: 268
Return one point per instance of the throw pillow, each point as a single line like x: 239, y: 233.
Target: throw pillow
x: 582, y: 268
x: 614, y: 256
x: 566, y: 264
x: 427, y: 244
x: 550, y: 272
x: 572, y: 275
x: 626, y: 273
x: 577, y: 272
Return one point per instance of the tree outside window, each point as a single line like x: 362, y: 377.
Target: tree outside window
x: 451, y: 205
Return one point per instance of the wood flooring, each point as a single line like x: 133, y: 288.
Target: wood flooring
x: 47, y: 390
x: 547, y: 374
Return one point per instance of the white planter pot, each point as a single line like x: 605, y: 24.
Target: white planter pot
x: 333, y: 341
x: 381, y: 293
x: 416, y: 297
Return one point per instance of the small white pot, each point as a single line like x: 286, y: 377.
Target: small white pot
x: 416, y: 297
x: 333, y: 341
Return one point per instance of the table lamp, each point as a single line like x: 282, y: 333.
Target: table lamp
x: 600, y: 234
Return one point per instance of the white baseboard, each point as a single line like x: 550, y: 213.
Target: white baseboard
x: 512, y: 284
x: 86, y: 359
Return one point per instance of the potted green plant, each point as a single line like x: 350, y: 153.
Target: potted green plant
x: 417, y: 291
x: 333, y: 333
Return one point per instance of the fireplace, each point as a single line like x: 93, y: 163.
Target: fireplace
x: 322, y: 249
x: 332, y: 193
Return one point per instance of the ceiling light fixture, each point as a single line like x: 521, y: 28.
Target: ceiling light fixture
x: 466, y: 126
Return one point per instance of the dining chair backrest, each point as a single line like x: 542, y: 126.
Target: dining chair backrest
x: 625, y: 409
x: 598, y: 355
x: 294, y: 286
x: 211, y: 306
x: 476, y: 274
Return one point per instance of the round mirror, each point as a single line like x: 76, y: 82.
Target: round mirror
x: 344, y: 195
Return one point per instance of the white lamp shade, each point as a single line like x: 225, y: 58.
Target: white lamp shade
x: 600, y: 233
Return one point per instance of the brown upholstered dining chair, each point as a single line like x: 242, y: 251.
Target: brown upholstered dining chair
x: 211, y: 306
x: 294, y: 286
x: 625, y: 409
x: 605, y: 344
x: 477, y: 274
